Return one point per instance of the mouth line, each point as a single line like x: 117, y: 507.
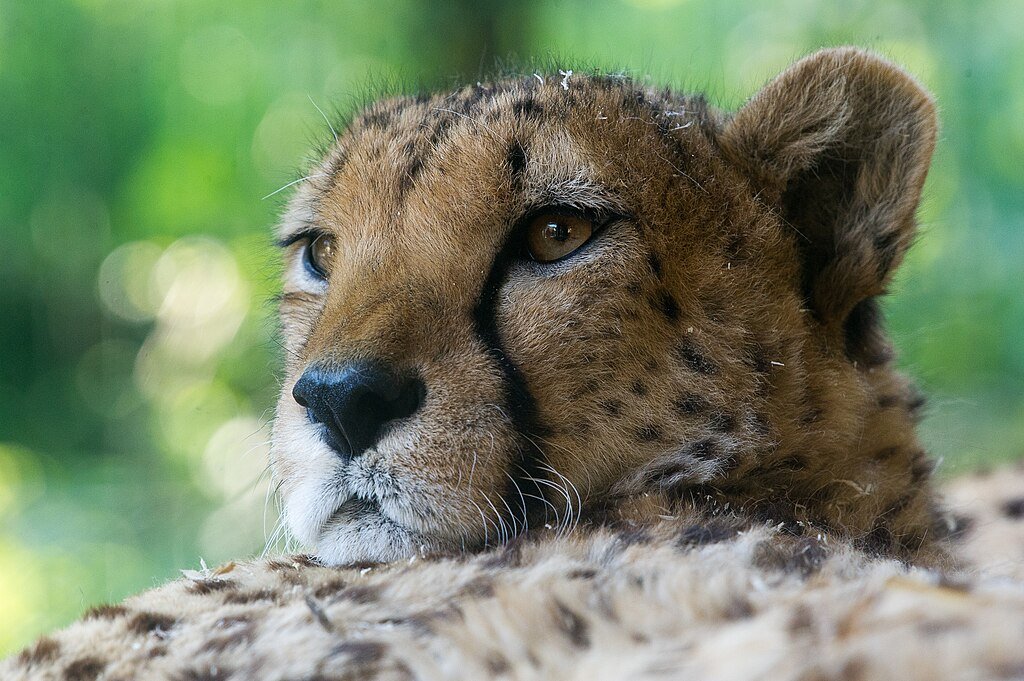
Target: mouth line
x: 360, y: 507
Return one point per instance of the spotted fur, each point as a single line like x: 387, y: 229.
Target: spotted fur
x: 710, y: 594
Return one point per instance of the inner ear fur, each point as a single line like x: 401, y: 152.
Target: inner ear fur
x: 840, y: 144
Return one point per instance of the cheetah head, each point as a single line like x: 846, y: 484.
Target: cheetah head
x: 510, y: 303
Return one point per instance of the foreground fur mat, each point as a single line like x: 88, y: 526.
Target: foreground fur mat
x: 669, y: 600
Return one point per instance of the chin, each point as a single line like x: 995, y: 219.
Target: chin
x: 358, y: 532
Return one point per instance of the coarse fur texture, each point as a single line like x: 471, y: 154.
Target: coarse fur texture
x: 681, y: 449
x: 719, y: 335
x: 716, y: 598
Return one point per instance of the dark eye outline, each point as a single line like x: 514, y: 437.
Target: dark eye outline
x: 598, y: 218
x: 306, y: 241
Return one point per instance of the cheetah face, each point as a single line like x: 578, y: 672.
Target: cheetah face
x: 505, y: 304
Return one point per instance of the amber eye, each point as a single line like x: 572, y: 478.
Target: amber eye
x: 552, y: 236
x: 319, y: 255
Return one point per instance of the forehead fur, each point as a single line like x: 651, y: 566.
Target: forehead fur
x: 549, y: 142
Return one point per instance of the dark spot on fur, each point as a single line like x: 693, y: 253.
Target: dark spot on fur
x: 329, y: 588
x: 774, y: 513
x: 246, y: 597
x: 497, y: 664
x: 702, y: 535
x: 206, y: 586
x: 704, y: 450
x: 361, y: 652
x: 689, y: 355
x: 105, y: 612
x: 667, y: 305
x: 801, y: 621
x: 759, y: 424
x: 887, y: 401
x: 886, y: 453
x: 610, y: 407
x: 516, y: 159
x: 638, y: 388
x: 655, y: 264
x: 689, y: 404
x: 916, y: 403
x: 581, y: 573
x: 479, y: 587
x: 921, y: 468
x: 648, y: 433
x: 878, y: 540
x: 306, y: 560
x: 738, y: 608
x: 757, y: 358
x: 277, y: 565
x: 803, y: 556
x: 43, y: 650
x: 151, y: 622
x: 723, y: 421
x: 573, y: 626
x: 84, y: 669
x: 1014, y: 508
x: 507, y: 556
x: 376, y: 119
x: 634, y: 535
x: 359, y: 594
x: 527, y: 107
x: 239, y: 630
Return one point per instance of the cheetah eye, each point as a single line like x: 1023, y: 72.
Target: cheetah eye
x: 318, y: 255
x: 553, y: 236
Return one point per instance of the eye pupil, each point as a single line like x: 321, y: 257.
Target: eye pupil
x: 559, y: 231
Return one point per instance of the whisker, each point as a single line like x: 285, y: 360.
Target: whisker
x: 292, y: 184
x: 326, y: 119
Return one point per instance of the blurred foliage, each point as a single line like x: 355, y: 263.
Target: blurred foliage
x: 137, y: 351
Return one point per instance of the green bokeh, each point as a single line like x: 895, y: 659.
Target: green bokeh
x: 137, y: 138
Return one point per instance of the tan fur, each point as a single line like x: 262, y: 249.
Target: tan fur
x: 719, y: 340
x: 673, y: 597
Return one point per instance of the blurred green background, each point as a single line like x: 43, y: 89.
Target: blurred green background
x: 137, y: 137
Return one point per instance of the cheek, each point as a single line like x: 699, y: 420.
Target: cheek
x: 590, y: 361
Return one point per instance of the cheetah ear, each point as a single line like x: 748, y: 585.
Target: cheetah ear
x: 840, y: 143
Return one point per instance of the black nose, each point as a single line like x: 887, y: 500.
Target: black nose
x: 355, y: 401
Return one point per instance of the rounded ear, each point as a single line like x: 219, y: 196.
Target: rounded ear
x: 840, y: 144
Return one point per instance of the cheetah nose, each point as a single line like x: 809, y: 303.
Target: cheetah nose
x: 356, y: 401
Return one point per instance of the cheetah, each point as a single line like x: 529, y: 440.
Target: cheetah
x: 585, y: 379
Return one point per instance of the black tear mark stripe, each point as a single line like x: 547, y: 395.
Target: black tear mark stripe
x: 520, y: 403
